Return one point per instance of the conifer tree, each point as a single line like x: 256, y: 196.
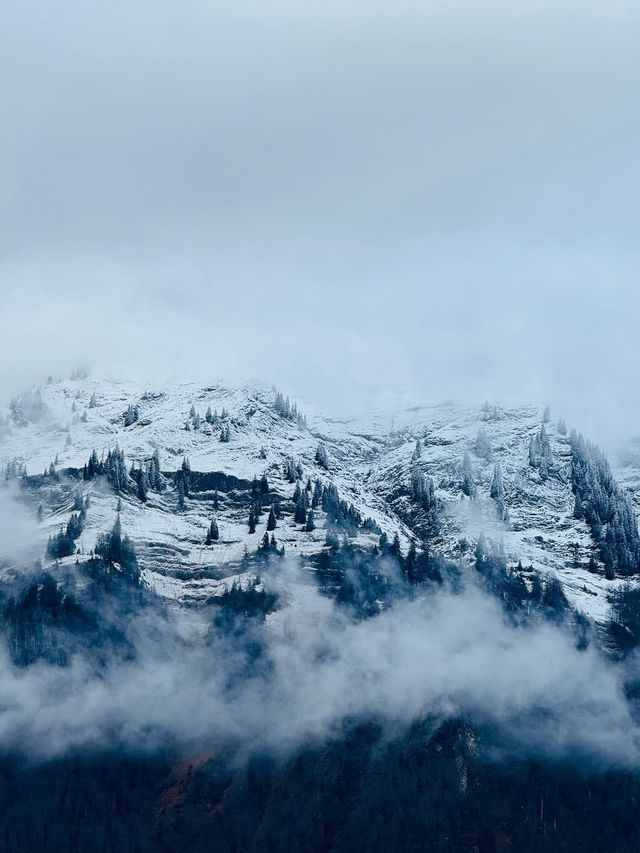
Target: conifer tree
x: 410, y: 563
x: 321, y: 456
x: 143, y: 485
x: 482, y: 446
x: 213, y: 530
x: 395, y: 546
x: 497, y: 489
x: 300, y: 514
x: 468, y: 481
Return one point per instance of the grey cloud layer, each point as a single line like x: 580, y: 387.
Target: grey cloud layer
x: 446, y: 656
x: 440, y: 196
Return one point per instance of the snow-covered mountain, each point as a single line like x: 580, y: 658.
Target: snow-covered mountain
x: 439, y: 477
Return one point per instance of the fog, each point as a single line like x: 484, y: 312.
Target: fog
x: 448, y: 655
x: 366, y: 203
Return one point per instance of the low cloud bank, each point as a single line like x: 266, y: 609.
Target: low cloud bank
x: 443, y: 655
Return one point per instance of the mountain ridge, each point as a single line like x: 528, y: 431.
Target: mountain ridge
x: 427, y: 475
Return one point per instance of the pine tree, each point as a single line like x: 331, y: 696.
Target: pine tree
x: 252, y: 521
x: 310, y: 525
x: 143, y: 485
x: 212, y: 533
x: 482, y: 446
x: 536, y: 588
x: 410, y: 563
x: 417, y: 453
x: 546, y: 417
x: 468, y: 481
x: 131, y: 415
x: 155, y: 477
x: 186, y: 475
x: 395, y: 546
x: 540, y: 453
x: 93, y: 402
x: 300, y: 514
x: 577, y: 507
x: 497, y: 489
x: 116, y: 470
x: 321, y: 456
x: 271, y: 521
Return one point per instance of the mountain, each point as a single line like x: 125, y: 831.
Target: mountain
x: 441, y: 478
x: 256, y: 627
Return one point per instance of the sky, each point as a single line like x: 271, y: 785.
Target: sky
x: 370, y: 204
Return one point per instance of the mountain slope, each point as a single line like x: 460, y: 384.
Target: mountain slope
x: 395, y: 485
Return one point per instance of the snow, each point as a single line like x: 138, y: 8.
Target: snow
x: 370, y: 460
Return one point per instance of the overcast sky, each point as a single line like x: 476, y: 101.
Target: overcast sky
x: 364, y: 202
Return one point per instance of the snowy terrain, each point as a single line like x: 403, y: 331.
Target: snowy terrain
x: 371, y: 461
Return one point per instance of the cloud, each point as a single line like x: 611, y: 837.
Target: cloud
x: 21, y: 537
x: 437, y: 199
x: 444, y: 655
